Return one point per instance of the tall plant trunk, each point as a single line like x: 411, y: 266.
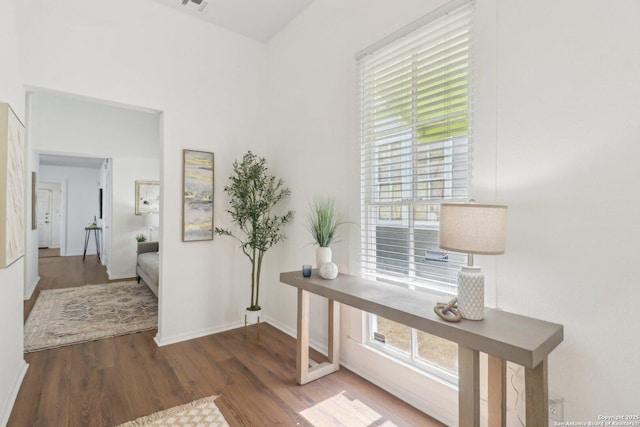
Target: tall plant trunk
x: 260, y: 255
x: 253, y: 278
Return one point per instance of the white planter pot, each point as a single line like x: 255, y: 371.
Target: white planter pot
x: 323, y: 254
x: 252, y: 317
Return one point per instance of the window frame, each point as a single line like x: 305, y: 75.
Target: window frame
x: 412, y: 199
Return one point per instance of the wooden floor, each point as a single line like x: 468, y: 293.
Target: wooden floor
x: 111, y: 381
x: 48, y: 252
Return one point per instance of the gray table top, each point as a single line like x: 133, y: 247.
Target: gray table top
x: 519, y: 339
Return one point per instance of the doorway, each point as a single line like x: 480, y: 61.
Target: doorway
x: 49, y: 216
x: 68, y: 200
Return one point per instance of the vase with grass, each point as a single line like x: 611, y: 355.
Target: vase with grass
x: 323, y: 223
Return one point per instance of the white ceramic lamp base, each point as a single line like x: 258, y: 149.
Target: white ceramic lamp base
x: 471, y: 293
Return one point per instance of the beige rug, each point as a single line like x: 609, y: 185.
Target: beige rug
x: 199, y: 413
x: 340, y: 411
x: 74, y: 315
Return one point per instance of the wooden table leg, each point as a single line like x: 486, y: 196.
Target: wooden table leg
x: 537, y: 395
x: 497, y: 391
x: 302, y: 345
x: 305, y: 373
x: 468, y: 387
x: 97, y: 236
x: 86, y: 242
x: 334, y: 333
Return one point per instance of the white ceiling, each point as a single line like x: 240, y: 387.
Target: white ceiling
x: 71, y: 161
x: 257, y: 19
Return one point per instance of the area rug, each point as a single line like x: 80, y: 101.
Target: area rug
x: 74, y: 315
x: 340, y: 411
x: 199, y: 413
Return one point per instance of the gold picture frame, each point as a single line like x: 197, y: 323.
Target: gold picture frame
x: 147, y: 197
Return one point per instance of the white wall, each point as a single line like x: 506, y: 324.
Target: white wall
x: 124, y: 224
x: 130, y: 138
x: 556, y: 120
x: 31, y: 247
x: 568, y: 151
x: 12, y: 365
x: 80, y: 198
x: 207, y: 82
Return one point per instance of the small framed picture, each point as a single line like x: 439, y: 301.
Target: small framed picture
x: 147, y: 197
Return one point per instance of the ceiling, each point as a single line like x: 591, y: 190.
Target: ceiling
x: 71, y: 161
x: 257, y: 19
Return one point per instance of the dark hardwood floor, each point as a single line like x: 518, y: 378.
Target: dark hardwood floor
x: 111, y: 381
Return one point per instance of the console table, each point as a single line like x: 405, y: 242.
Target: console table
x: 96, y: 235
x: 503, y: 336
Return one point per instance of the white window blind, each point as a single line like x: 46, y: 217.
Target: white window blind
x: 416, y: 128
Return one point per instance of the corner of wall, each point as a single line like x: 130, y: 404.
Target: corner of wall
x: 21, y: 371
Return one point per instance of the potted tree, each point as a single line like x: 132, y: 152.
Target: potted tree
x: 323, y: 223
x: 253, y: 194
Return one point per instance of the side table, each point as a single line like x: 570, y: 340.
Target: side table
x: 96, y: 234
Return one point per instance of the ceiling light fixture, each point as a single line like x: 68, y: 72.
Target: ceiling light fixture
x: 198, y: 5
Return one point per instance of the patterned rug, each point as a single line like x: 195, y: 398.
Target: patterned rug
x: 74, y: 315
x: 340, y: 411
x: 199, y: 413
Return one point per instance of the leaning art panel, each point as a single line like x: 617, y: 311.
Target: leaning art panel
x: 12, y: 187
x: 197, y: 196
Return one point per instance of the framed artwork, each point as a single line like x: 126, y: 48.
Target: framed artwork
x: 12, y: 195
x: 197, y: 196
x: 147, y: 197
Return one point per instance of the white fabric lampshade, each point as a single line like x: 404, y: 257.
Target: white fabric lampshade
x: 473, y: 228
x: 151, y: 220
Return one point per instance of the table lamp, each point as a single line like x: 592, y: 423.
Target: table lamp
x: 151, y: 221
x: 472, y: 229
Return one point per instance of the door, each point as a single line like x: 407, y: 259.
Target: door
x: 44, y: 218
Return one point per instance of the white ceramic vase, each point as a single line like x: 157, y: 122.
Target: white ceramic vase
x: 323, y: 254
x: 328, y: 271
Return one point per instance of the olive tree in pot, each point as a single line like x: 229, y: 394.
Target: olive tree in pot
x: 253, y: 194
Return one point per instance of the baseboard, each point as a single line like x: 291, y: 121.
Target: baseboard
x: 162, y: 341
x: 316, y: 345
x: 8, y: 406
x: 120, y: 276
x: 76, y: 252
x: 32, y: 288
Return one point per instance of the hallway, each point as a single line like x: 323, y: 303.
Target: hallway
x: 67, y: 272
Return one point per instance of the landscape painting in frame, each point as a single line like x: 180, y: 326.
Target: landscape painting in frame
x: 147, y: 197
x: 12, y: 194
x: 197, y: 196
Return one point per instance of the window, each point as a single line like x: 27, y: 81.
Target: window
x: 416, y: 93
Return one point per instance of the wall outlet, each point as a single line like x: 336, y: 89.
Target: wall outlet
x: 556, y: 408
